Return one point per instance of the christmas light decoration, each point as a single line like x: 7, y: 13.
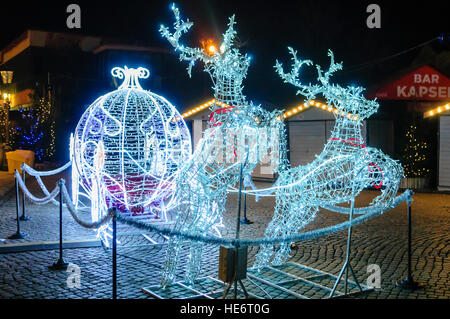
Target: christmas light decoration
x: 126, y: 151
x: 414, y: 154
x: 291, y: 112
x: 305, y: 106
x: 437, y: 110
x: 239, y: 136
x: 36, y: 132
x: 343, y: 169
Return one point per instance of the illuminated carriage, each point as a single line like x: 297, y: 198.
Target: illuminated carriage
x: 126, y: 151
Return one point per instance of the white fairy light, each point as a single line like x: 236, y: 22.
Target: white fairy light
x: 127, y: 149
x: 233, y: 134
x: 343, y: 169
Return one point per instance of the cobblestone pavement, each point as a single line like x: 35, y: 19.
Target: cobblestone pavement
x: 381, y: 241
x: 6, y: 183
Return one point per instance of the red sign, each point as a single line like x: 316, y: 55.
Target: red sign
x: 423, y: 84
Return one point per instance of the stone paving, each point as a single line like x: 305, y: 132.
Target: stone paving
x: 381, y: 241
x: 6, y: 183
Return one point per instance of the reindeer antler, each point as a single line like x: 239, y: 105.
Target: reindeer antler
x: 228, y: 36
x: 187, y: 53
x: 292, y: 77
x: 310, y: 90
x: 333, y: 68
x: 351, y: 97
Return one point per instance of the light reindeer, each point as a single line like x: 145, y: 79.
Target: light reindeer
x: 233, y: 138
x: 338, y: 174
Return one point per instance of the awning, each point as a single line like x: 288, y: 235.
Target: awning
x: 424, y: 84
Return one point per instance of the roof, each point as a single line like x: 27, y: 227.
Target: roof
x: 60, y: 40
x: 426, y: 57
x: 423, y: 83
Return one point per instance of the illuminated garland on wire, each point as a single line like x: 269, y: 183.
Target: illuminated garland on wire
x: 367, y: 213
x: 287, y: 114
x: 30, y: 135
x: 344, y: 168
x: 239, y: 136
x: 414, y: 154
x: 126, y: 152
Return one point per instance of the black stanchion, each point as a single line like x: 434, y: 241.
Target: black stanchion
x: 347, y: 265
x: 60, y: 264
x: 24, y: 216
x: 114, y: 257
x: 409, y: 282
x: 18, y: 234
x: 236, y: 246
x: 245, y: 220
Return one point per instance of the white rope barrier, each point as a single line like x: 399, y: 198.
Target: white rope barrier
x: 37, y: 175
x: 40, y: 201
x: 44, y: 189
x: 369, y: 212
x: 31, y: 171
x: 72, y: 210
x: 406, y: 196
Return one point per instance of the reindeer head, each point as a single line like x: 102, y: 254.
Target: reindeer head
x: 226, y: 66
x: 347, y: 100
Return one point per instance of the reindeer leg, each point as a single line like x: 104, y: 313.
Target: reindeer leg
x: 171, y: 262
x: 300, y: 218
x: 209, y: 216
x: 282, y: 254
x: 266, y: 251
x: 183, y: 222
x: 194, y: 264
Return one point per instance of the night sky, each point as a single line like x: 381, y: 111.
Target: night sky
x: 265, y: 28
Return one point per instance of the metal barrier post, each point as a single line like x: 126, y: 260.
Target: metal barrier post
x: 114, y: 256
x: 60, y: 264
x: 347, y: 264
x: 245, y: 220
x: 409, y: 282
x: 18, y: 234
x: 24, y: 216
x: 236, y: 247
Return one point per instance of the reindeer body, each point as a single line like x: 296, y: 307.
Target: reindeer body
x: 202, y: 194
x: 343, y: 169
x: 204, y: 181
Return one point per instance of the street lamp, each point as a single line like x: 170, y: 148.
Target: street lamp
x: 7, y: 76
x: 7, y: 80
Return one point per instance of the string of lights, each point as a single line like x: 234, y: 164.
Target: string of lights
x: 37, y: 130
x: 292, y: 111
x: 437, y: 110
x: 126, y: 151
x: 414, y: 154
x: 239, y: 135
x: 344, y: 168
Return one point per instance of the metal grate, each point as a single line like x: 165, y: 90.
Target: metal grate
x: 288, y: 281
